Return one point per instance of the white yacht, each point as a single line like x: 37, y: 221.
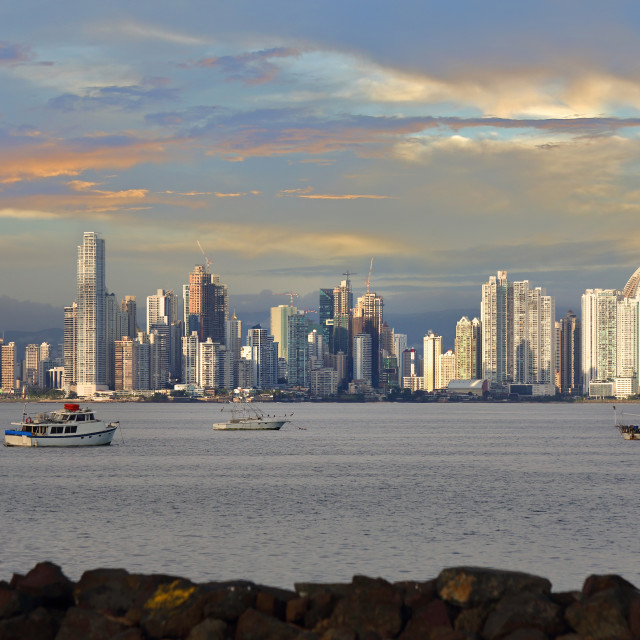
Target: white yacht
x: 246, y: 417
x: 67, y: 427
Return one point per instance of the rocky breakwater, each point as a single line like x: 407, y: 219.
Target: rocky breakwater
x: 463, y: 603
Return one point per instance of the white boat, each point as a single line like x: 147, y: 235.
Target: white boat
x: 246, y: 417
x: 627, y: 431
x: 67, y: 427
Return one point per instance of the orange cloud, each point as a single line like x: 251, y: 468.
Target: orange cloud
x: 53, y: 158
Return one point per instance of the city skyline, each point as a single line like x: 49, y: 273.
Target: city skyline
x: 295, y: 143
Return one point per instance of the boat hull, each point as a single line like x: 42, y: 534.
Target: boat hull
x: 27, y: 439
x: 249, y: 425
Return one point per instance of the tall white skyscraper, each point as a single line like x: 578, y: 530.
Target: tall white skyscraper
x: 432, y: 343
x: 599, y: 339
x: 362, y: 358
x: 497, y: 335
x: 92, y: 330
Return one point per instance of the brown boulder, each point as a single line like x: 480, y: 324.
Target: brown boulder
x: 472, y: 586
x: 47, y: 584
x: 273, y: 601
x: 370, y: 605
x: 603, y: 616
x: 254, y: 625
x: 426, y: 620
x: 417, y: 594
x: 228, y: 600
x: 524, y: 611
x: 209, y: 629
x: 39, y: 624
x: 85, y: 624
x: 595, y: 583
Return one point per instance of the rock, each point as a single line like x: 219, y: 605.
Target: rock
x: 472, y: 586
x: 85, y: 624
x: 309, y: 588
x: 274, y: 601
x: 228, y: 600
x: 595, y: 583
x: 472, y: 620
x: 417, y: 594
x: 634, y: 616
x: 209, y: 629
x: 39, y: 624
x: 321, y: 607
x: 426, y: 620
x: 172, y: 610
x: 603, y: 616
x: 47, y: 584
x: 297, y: 609
x: 370, y: 605
x: 527, y: 634
x: 524, y: 611
x: 254, y: 625
x: 13, y: 603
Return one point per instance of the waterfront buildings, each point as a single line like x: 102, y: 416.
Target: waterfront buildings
x: 468, y: 349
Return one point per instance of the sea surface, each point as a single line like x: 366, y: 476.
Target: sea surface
x: 399, y: 491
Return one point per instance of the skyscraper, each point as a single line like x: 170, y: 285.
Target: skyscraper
x: 128, y: 307
x: 280, y: 327
x: 468, y: 349
x: 298, y: 350
x: 431, y: 359
x: 92, y: 329
x: 363, y: 358
x: 208, y: 303
x: 70, y: 347
x: 599, y: 338
x: 497, y: 333
x: 570, y: 353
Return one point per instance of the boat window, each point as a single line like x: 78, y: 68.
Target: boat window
x: 70, y: 429
x: 80, y: 417
x: 57, y: 429
x: 90, y: 417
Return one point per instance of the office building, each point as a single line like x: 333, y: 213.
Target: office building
x: 298, y: 350
x: 92, y: 320
x: 129, y: 309
x: 497, y: 334
x: 8, y: 367
x: 280, y: 327
x: 363, y: 358
x: 70, y: 348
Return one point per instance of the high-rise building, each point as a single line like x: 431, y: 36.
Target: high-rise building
x: 233, y: 336
x: 162, y: 308
x: 264, y: 357
x: 627, y: 343
x: 447, y: 369
x: 599, y: 339
x: 432, y: 352
x: 468, y: 349
x: 208, y: 303
x: 541, y: 338
x: 128, y: 308
x: 570, y: 353
x: 190, y: 353
x: 70, y: 348
x: 342, y: 306
x: 92, y: 320
x: 298, y: 350
x: 497, y: 334
x: 399, y: 347
x: 363, y: 358
x: 325, y: 316
x: 31, y: 362
x: 215, y: 365
x: 368, y: 318
x: 8, y: 367
x: 126, y: 364
x: 280, y: 327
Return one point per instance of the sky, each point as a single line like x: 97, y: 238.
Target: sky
x: 294, y: 141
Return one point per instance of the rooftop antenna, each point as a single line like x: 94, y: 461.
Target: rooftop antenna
x: 206, y: 258
x: 369, y: 276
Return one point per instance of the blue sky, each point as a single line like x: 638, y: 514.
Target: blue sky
x: 297, y: 140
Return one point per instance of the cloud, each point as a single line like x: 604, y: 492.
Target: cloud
x: 250, y: 68
x: 217, y: 194
x: 131, y: 97
x: 307, y: 193
x: 32, y: 158
x: 23, y: 214
x: 144, y: 31
x: 12, y: 53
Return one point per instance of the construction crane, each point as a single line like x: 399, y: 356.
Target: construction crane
x: 291, y: 295
x: 206, y: 258
x: 369, y: 276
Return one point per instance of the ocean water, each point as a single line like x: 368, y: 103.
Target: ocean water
x: 391, y: 490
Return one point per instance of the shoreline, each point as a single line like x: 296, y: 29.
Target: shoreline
x: 461, y: 603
